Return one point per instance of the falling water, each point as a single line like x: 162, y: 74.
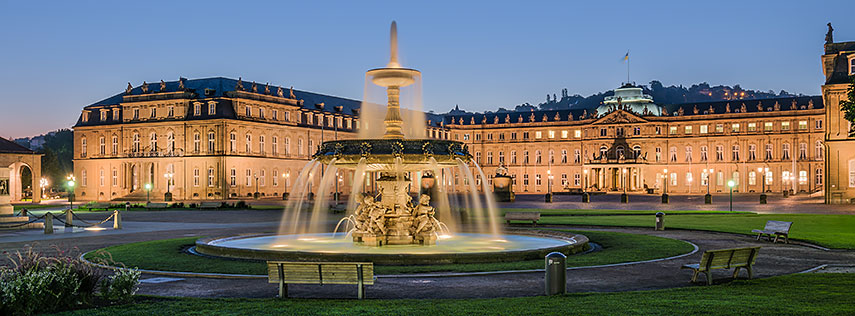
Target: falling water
x: 356, y: 186
x: 474, y: 204
x: 318, y: 222
x: 443, y: 206
x: 291, y: 224
x: 492, y: 206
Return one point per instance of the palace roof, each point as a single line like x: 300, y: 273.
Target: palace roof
x: 10, y: 147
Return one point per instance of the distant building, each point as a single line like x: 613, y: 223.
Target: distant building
x: 838, y: 64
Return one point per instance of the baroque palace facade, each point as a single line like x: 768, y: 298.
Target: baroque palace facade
x: 219, y: 138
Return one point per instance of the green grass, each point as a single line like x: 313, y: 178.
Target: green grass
x: 833, y: 231
x: 802, y: 294
x: 166, y: 255
x: 32, y: 206
x: 578, y: 212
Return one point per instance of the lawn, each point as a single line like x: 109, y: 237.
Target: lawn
x: 32, y: 206
x: 617, y: 247
x: 801, y: 294
x: 579, y: 212
x: 833, y: 231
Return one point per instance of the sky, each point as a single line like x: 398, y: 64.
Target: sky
x: 57, y: 57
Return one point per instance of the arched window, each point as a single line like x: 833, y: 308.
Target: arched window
x: 170, y: 142
x: 261, y: 144
x: 735, y: 153
x: 785, y: 151
x: 619, y: 153
x: 688, y: 153
x: 818, y: 150
x: 232, y: 142
x: 673, y: 154
x: 211, y: 142
x: 551, y: 156
x: 152, y: 141
x: 274, y: 146
x: 802, y: 151
x: 248, y: 146
x: 197, y: 142
x: 83, y: 150
x: 136, y: 147
x: 564, y: 156
x: 102, y: 146
x: 525, y: 157
x: 603, y: 150
x: 115, y: 147
x: 752, y: 151
x: 537, y: 157
x: 513, y: 157
x: 636, y: 151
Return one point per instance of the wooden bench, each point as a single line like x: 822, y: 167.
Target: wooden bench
x: 522, y: 216
x: 151, y: 205
x: 284, y: 272
x: 775, y: 228
x: 99, y: 206
x: 210, y: 205
x: 737, y: 258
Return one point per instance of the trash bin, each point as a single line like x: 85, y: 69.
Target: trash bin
x: 548, y: 198
x: 660, y: 221
x: 556, y: 273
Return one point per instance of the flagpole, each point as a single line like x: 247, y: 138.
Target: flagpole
x: 627, y: 67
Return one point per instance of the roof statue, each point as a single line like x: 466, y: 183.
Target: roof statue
x: 829, y: 37
x: 777, y: 106
x: 665, y: 113
x: 680, y: 111
x: 129, y: 88
x: 727, y: 108
x: 162, y: 86
x: 496, y: 119
x: 267, y: 88
x: 646, y: 111
x: 711, y: 110
x: 181, y: 83
x: 254, y: 87
x: 484, y: 120
x: 759, y: 106
x: 239, y: 85
x: 461, y: 121
x: 144, y: 87
x: 472, y: 121
x: 557, y: 118
x: 291, y: 93
x: 584, y: 114
x: 545, y: 118
x: 695, y: 110
x: 793, y: 105
x: 570, y: 116
x: 280, y: 92
x: 531, y: 117
x: 594, y: 113
x: 743, y: 109
x: 507, y: 118
x: 810, y: 103
x: 520, y: 120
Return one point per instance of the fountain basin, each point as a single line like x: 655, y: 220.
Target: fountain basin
x: 459, y: 248
x: 381, y: 154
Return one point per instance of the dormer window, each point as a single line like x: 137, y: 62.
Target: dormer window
x: 197, y: 109
x: 103, y: 115
x: 85, y: 116
x: 852, y: 65
x: 115, y: 114
x: 212, y: 108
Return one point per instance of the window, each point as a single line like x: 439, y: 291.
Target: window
x: 577, y: 156
x: 752, y: 127
x: 262, y: 177
x: 537, y: 181
x: 478, y: 157
x: 170, y: 111
x: 261, y: 146
x: 211, y: 142
x: 802, y: 151
x: 719, y: 153
x: 537, y: 157
x: 287, y: 146
x: 636, y: 131
x: 564, y: 156
x: 261, y: 113
x: 705, y: 178
x: 785, y: 151
x: 658, y: 130
x: 802, y: 125
x: 818, y: 176
x: 248, y: 177
x: 115, y: 177
x: 703, y: 153
x: 785, y: 126
x: 83, y: 177
x: 565, y: 134
x: 818, y: 150
x: 212, y: 108
x: 673, y: 154
x: 734, y: 127
x: 102, y: 146
x: 513, y: 135
x: 114, y: 149
x: 719, y: 128
x: 248, y: 144
x: 603, y: 151
x: 525, y: 157
x: 720, y: 178
x: 233, y: 177
x: 513, y: 157
x: 197, y: 109
x: 136, y: 114
x: 551, y: 134
x: 769, y: 152
x: 735, y: 153
x: 577, y: 133
x: 465, y: 136
x: 300, y: 146
x: 275, y: 177
x: 577, y: 179
x: 818, y: 124
x: 525, y: 180
x: 674, y: 178
x: 672, y: 130
x: 152, y: 142
x: 752, y: 178
x: 525, y: 135
x: 619, y: 131
x: 689, y: 178
x: 136, y: 146
x: 197, y: 142
x: 275, y: 145
x: 769, y: 178
x: 196, y: 177
x: 803, y: 178
x: 551, y: 156
x: 477, y: 137
x: 153, y: 113
x: 103, y: 115
x: 767, y: 126
x: 276, y: 116
x: 852, y: 66
x: 564, y: 182
x: 704, y: 129
x: 489, y: 157
x: 658, y: 154
x: 603, y: 132
x: 116, y: 114
x: 502, y: 157
x: 538, y: 135
x: 232, y: 142
x: 83, y: 147
x: 489, y: 136
x: 688, y: 129
x: 688, y: 153
x: 735, y: 178
x: 752, y: 149
x: 249, y: 114
x: 101, y: 177
x: 210, y: 177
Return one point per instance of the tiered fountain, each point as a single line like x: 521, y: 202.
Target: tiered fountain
x: 388, y: 227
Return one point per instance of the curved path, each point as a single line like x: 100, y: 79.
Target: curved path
x: 774, y: 259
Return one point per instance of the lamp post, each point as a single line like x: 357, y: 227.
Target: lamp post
x: 708, y: 197
x: 549, y: 185
x: 285, y: 194
x: 586, y: 198
x: 665, y: 188
x: 43, y: 183
x: 256, y: 194
x: 70, y: 185
x: 147, y: 192
x: 763, y: 171
x: 730, y: 185
x: 624, y: 198
x: 168, y: 195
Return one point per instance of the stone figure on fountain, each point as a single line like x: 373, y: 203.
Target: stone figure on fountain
x: 424, y: 214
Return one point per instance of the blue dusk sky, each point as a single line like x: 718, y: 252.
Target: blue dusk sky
x: 57, y: 57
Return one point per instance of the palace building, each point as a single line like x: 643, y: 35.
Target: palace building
x: 220, y: 138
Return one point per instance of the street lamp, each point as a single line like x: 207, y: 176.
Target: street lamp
x: 708, y: 197
x: 256, y: 186
x: 285, y: 193
x: 730, y: 185
x: 586, y: 198
x: 43, y: 183
x: 548, y: 186
x: 665, y: 188
x: 70, y: 185
x: 624, y: 198
x: 147, y: 192
x: 763, y: 171
x: 168, y: 196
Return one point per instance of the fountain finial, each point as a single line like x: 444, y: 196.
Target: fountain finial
x: 393, y: 46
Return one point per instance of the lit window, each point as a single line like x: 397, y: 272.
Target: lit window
x: 767, y: 126
x: 197, y: 109
x: 785, y: 126
x: 210, y: 177
x: 719, y: 128
x: 564, y: 134
x: 752, y: 127
x: 577, y: 133
x: 734, y: 127
x: 538, y: 135
x: 704, y: 129
x: 672, y: 130
x: 688, y: 129
x: 551, y: 134
x: 803, y: 125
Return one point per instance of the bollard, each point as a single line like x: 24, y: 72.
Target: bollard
x: 660, y: 221
x: 68, y: 218
x: 284, y: 196
x: 48, y: 223
x: 664, y: 198
x: 786, y: 193
x: 624, y: 198
x: 23, y: 212
x: 548, y: 198
x: 708, y: 199
x: 763, y: 198
x: 127, y: 206
x: 556, y: 273
x: 117, y: 220
x: 586, y: 198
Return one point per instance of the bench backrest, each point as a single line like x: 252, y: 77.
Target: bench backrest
x: 210, y: 204
x: 522, y: 216
x: 778, y: 226
x: 320, y: 272
x: 728, y: 258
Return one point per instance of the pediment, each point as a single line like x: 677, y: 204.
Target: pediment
x: 620, y: 117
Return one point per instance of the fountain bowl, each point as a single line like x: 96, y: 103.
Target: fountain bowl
x: 393, y: 77
x: 381, y: 154
x: 459, y: 248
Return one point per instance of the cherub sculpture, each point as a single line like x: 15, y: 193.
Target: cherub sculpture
x: 424, y: 214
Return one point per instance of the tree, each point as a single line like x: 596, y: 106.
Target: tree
x: 848, y: 105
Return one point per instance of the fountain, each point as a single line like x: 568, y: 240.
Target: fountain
x: 387, y: 226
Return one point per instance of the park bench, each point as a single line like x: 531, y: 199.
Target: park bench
x: 210, y: 205
x: 775, y: 228
x: 284, y: 272
x: 737, y: 258
x: 99, y: 206
x: 522, y: 216
x: 151, y: 205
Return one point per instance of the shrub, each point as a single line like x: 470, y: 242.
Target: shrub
x: 122, y: 286
x: 241, y: 204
